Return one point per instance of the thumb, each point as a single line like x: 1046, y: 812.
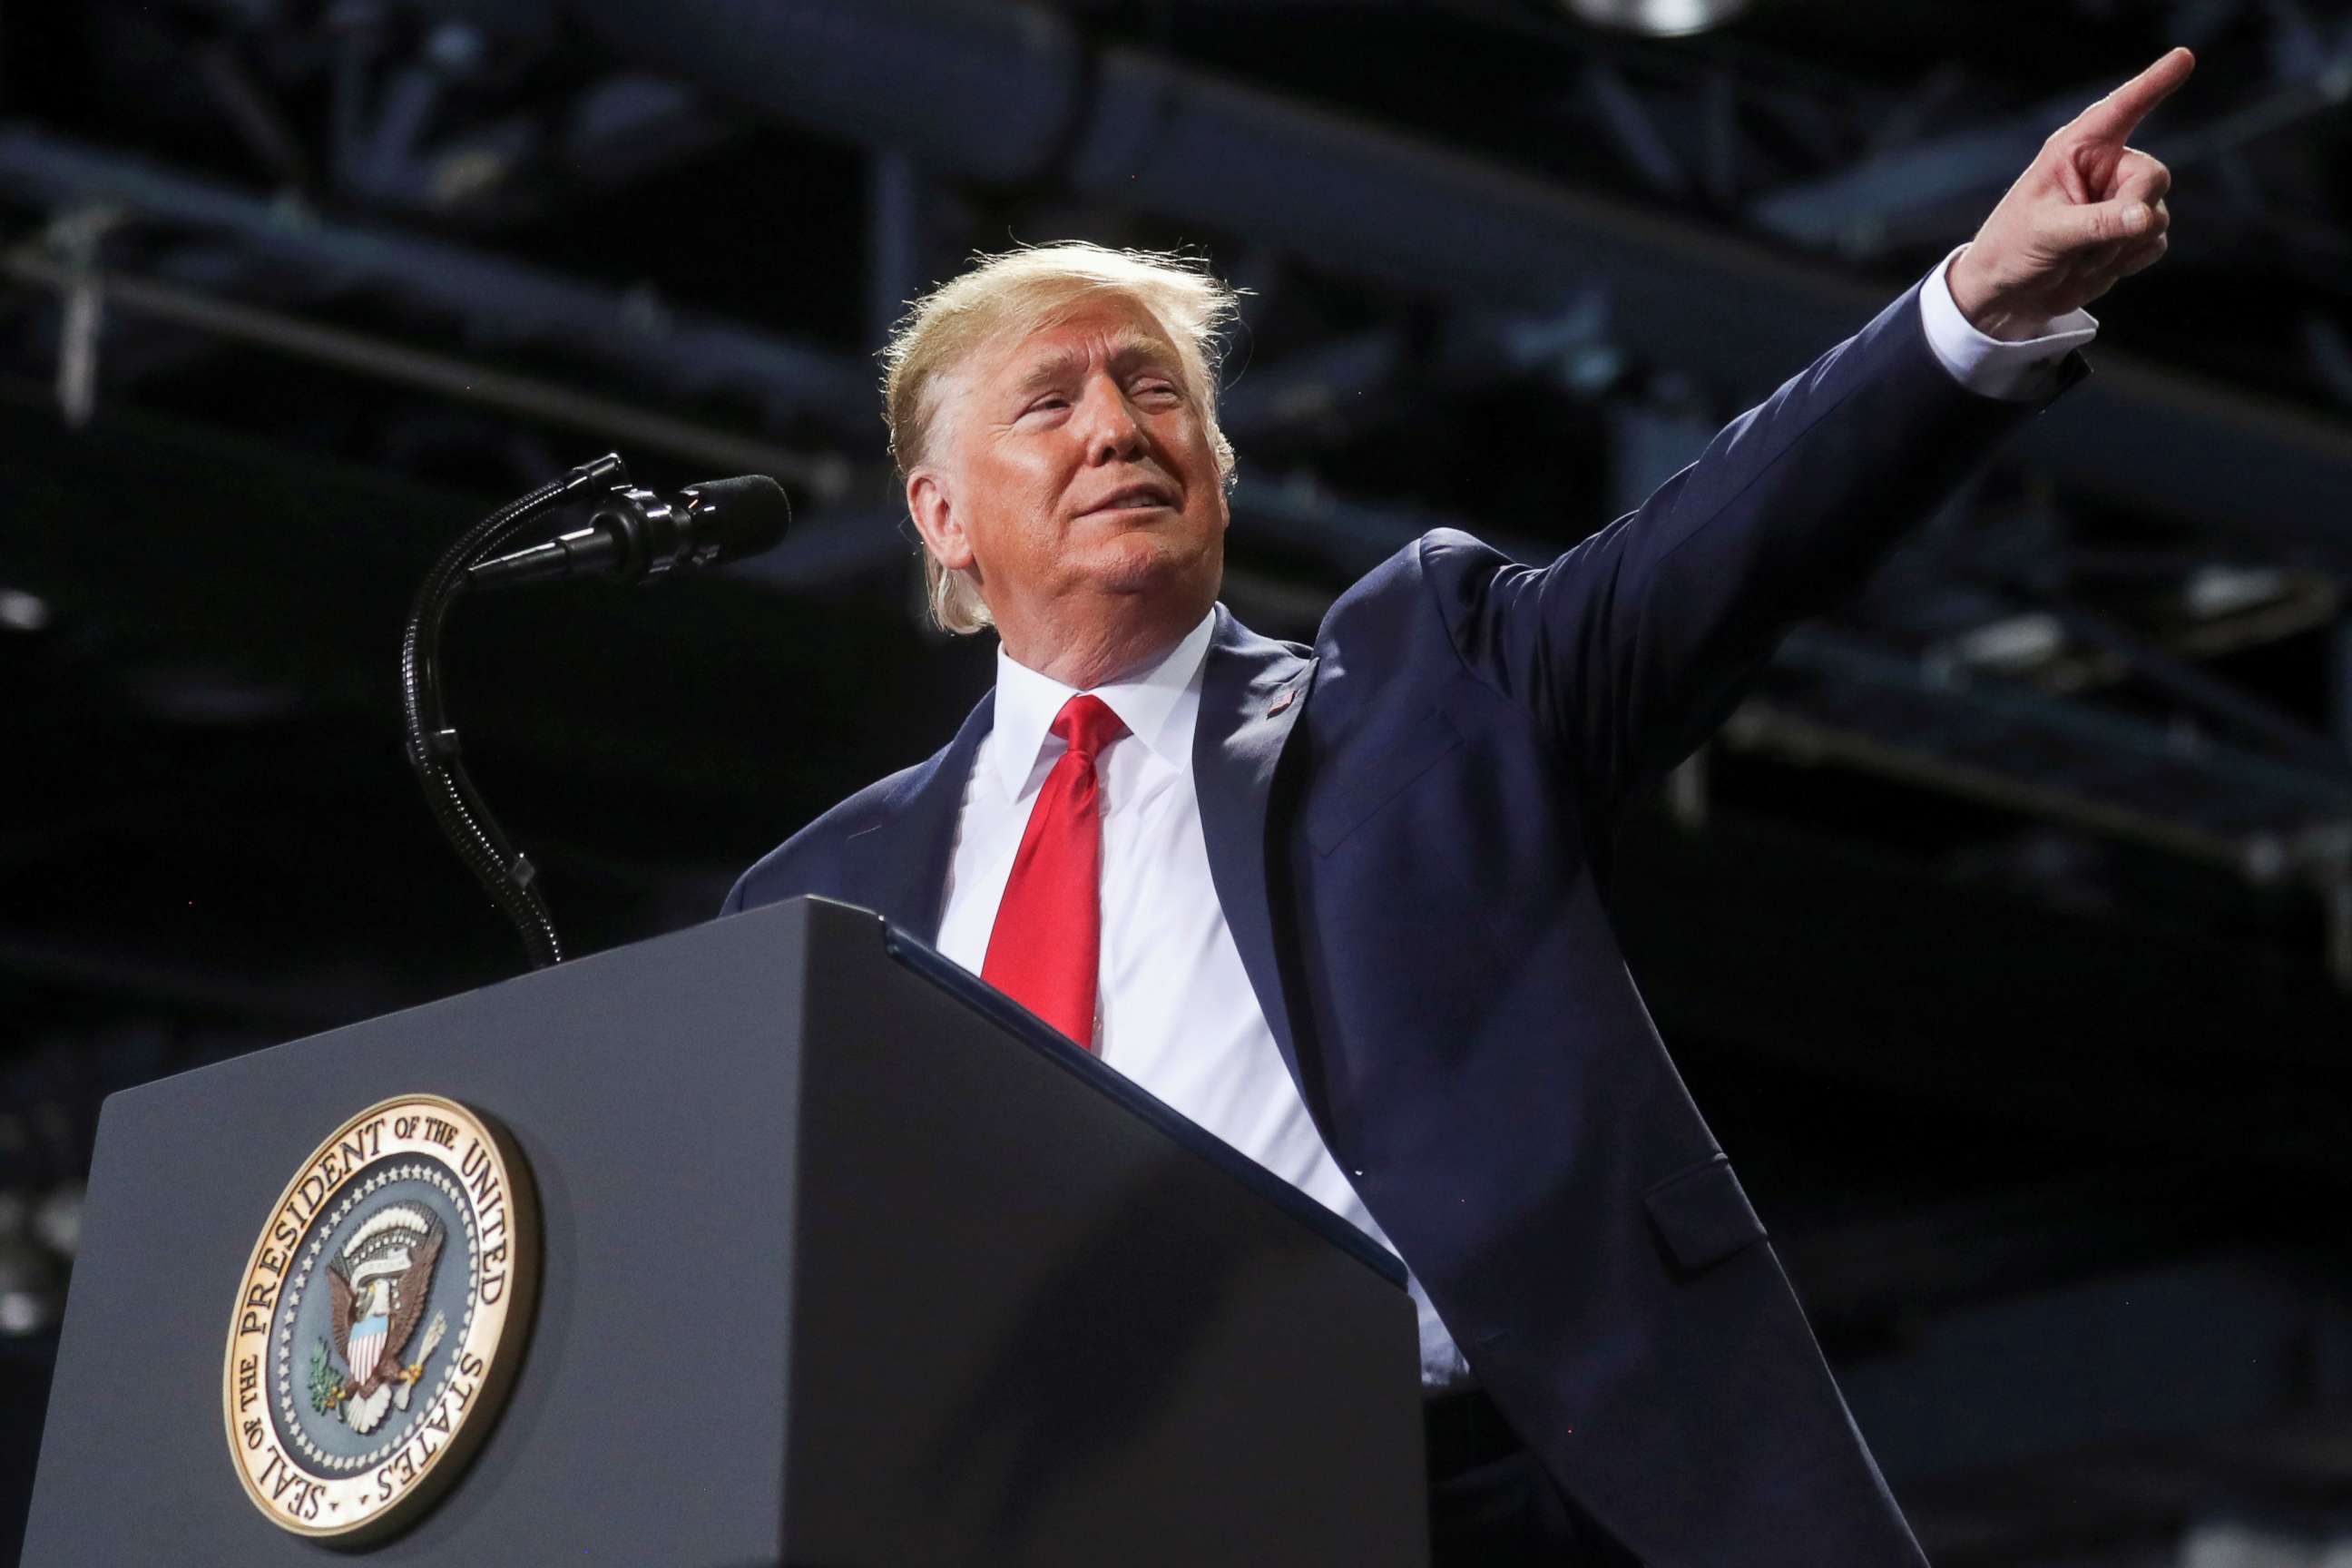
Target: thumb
x: 2077, y: 228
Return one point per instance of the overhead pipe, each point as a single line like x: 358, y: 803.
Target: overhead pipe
x: 500, y: 298
x: 1011, y: 94
x: 826, y: 475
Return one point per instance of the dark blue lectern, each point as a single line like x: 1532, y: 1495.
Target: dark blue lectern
x: 844, y: 1260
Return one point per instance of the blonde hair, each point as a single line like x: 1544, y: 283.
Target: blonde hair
x: 1012, y: 295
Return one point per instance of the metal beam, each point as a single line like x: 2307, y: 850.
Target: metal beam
x: 2250, y: 715
x: 500, y: 300
x: 825, y: 474
x: 1011, y: 94
x: 1904, y: 196
x: 2312, y: 796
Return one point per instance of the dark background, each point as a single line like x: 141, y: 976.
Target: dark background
x: 2005, y: 933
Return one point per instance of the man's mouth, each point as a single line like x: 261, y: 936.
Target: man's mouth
x: 1133, y: 497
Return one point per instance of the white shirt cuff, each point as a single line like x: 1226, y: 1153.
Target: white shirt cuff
x: 2013, y: 371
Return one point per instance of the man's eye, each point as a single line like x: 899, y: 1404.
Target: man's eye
x: 1048, y: 404
x: 1162, y: 390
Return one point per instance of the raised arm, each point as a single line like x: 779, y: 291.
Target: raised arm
x: 1632, y: 646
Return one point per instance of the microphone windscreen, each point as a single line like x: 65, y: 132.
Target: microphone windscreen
x: 748, y: 513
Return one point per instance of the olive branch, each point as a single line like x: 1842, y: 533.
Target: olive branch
x: 326, y: 1384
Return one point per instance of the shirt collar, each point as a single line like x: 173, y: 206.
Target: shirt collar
x: 1150, y: 703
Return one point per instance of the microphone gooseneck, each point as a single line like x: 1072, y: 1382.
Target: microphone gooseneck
x: 434, y: 754
x: 633, y: 535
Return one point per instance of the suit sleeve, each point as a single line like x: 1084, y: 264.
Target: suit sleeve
x: 1634, y: 646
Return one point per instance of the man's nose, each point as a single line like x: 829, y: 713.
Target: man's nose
x: 1113, y: 433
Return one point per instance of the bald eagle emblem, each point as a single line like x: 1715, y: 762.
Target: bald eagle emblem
x: 379, y: 1283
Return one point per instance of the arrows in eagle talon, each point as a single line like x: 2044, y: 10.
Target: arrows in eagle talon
x: 433, y: 1337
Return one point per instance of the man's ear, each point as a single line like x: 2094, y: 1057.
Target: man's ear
x: 937, y: 520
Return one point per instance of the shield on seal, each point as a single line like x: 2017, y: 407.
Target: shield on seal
x: 366, y: 1346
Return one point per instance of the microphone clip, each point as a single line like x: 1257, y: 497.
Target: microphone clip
x: 641, y: 535
x: 654, y: 533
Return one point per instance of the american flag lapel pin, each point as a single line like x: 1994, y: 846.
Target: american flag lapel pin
x: 1281, y: 702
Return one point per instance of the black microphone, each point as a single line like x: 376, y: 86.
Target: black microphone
x: 635, y: 534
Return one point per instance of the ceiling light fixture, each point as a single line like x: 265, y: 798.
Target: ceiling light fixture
x: 1658, y: 18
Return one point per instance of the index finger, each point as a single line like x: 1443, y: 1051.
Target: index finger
x: 2114, y: 117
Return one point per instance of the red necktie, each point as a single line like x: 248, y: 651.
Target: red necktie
x: 1045, y: 948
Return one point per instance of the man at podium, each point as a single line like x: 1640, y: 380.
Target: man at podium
x: 1346, y: 906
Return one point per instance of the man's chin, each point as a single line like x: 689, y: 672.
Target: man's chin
x: 1145, y: 566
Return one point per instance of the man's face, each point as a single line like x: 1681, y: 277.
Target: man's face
x: 1076, y: 475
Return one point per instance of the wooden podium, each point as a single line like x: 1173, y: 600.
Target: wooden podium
x: 842, y: 1260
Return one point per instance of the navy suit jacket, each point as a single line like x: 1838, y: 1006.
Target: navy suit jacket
x: 1408, y: 828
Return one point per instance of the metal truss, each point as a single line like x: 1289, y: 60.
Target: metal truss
x: 1535, y: 280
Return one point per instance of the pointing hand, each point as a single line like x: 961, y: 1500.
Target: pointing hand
x: 2087, y: 212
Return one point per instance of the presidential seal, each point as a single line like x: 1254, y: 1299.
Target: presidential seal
x: 380, y: 1319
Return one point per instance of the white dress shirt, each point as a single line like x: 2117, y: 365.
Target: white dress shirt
x: 1175, y: 1012
x: 1988, y: 366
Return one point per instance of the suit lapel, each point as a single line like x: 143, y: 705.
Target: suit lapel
x: 898, y: 866
x: 1251, y: 691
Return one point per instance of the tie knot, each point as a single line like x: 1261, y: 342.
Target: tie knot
x: 1087, y: 725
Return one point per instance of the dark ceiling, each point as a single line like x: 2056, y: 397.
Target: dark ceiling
x: 2036, y: 863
